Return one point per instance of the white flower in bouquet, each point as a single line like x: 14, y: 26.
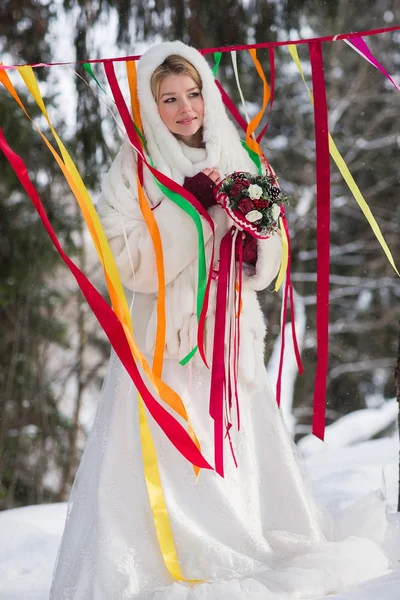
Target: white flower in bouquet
x: 253, y: 202
x: 255, y: 191
x: 253, y: 216
x: 276, y: 211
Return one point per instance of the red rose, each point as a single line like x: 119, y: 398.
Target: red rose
x: 236, y: 189
x: 245, y: 205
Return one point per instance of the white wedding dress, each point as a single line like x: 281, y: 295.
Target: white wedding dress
x: 255, y: 534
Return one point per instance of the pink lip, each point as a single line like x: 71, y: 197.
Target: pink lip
x: 187, y: 121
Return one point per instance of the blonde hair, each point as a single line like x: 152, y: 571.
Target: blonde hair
x: 173, y: 65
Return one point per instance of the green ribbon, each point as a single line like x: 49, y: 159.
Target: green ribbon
x: 192, y: 212
x: 217, y: 60
x: 253, y: 155
x: 88, y: 69
x: 189, y: 357
x: 202, y: 271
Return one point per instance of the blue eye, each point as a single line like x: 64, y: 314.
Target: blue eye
x: 169, y: 100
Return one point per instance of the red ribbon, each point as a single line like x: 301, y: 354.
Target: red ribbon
x: 288, y: 290
x: 218, y: 379
x: 231, y: 106
x: 294, y: 336
x: 328, y: 38
x: 239, y: 253
x: 287, y: 295
x: 291, y: 299
x: 323, y: 235
x: 110, y: 323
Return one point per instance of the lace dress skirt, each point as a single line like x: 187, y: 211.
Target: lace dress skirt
x: 253, y: 535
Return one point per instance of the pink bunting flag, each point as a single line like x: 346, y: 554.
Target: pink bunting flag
x: 359, y: 45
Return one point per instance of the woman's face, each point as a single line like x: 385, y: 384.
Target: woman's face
x: 181, y: 108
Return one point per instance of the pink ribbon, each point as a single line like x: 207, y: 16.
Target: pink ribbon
x: 360, y: 46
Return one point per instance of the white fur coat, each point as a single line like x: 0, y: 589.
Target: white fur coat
x: 130, y: 240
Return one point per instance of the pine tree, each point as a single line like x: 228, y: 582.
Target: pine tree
x: 31, y: 425
x: 29, y: 299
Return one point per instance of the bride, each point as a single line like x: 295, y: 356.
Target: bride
x: 255, y: 533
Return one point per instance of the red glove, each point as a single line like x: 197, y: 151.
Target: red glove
x: 249, y: 249
x: 201, y: 186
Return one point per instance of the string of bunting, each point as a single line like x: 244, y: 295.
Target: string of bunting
x: 116, y: 320
x: 328, y: 38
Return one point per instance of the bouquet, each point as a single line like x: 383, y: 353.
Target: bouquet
x: 253, y: 202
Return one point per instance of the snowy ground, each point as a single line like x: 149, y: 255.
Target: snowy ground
x: 339, y: 473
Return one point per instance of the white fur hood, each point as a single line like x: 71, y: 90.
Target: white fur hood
x: 222, y: 143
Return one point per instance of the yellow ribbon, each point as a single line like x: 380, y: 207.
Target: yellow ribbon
x: 150, y: 463
x: 285, y: 257
x: 345, y: 172
x: 152, y: 475
x: 157, y: 501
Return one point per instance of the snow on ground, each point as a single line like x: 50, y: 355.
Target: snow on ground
x: 29, y: 537
x: 356, y: 427
x: 29, y: 540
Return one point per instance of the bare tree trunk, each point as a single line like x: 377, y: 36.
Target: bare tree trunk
x: 397, y: 379
x: 20, y: 321
x: 70, y: 467
x: 45, y: 431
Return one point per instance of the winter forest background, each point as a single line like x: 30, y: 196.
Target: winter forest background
x: 53, y: 354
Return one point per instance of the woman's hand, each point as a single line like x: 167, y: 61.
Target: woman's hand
x: 213, y: 174
x: 201, y: 185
